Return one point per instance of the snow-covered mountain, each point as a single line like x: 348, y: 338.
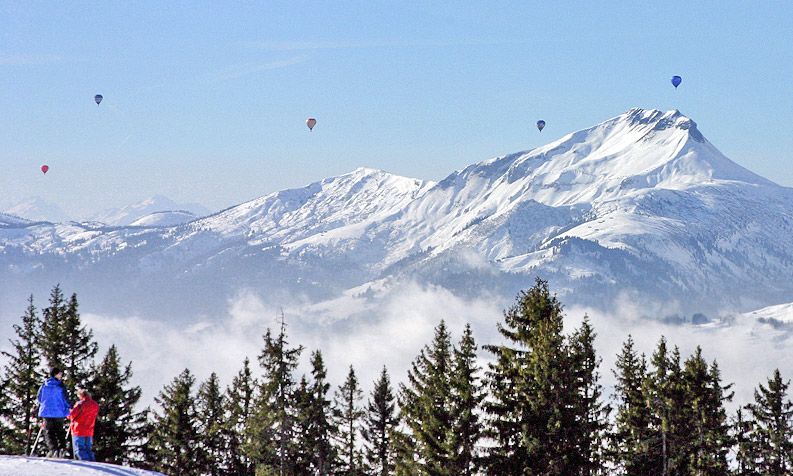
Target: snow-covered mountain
x: 37, y: 209
x: 163, y: 219
x: 641, y: 205
x: 131, y: 213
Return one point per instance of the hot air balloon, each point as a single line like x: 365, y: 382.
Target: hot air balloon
x: 676, y: 80
x: 98, y: 98
x: 311, y: 122
x: 44, y: 168
x: 540, y: 125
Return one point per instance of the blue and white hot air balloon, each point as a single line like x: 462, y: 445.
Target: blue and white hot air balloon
x: 540, y: 125
x: 676, y: 80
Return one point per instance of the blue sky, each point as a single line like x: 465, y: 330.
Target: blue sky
x: 206, y: 101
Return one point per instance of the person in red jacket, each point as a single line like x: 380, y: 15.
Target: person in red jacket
x: 83, y: 417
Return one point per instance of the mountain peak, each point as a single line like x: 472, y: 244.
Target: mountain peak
x: 367, y: 171
x: 37, y: 209
x: 657, y: 120
x: 639, y: 149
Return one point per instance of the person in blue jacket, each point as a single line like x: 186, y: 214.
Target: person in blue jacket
x: 54, y: 407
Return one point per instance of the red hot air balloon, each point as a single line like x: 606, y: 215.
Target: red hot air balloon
x: 44, y: 168
x: 311, y: 122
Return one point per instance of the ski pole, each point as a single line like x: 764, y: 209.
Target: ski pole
x: 38, y: 436
x: 30, y: 427
x: 68, y: 433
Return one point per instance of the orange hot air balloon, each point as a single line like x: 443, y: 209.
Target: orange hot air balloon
x: 44, y: 168
x: 311, y: 122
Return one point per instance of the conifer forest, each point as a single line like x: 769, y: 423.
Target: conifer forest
x: 531, y: 404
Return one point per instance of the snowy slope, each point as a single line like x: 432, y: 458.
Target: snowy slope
x: 609, y: 169
x: 8, y: 221
x: 129, y: 214
x: 163, y: 219
x: 24, y: 466
x: 349, y: 200
x: 780, y: 313
x: 641, y: 204
x: 36, y: 208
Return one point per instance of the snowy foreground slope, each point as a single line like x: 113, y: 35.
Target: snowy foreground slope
x: 24, y: 466
x: 640, y: 206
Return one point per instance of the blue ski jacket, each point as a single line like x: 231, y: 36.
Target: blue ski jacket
x: 52, y: 399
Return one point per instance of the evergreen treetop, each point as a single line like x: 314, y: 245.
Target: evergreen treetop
x: 175, y: 439
x: 347, y: 416
x: 239, y: 403
x: 772, y: 436
x: 379, y: 423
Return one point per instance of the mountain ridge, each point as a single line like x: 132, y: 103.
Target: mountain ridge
x: 641, y: 203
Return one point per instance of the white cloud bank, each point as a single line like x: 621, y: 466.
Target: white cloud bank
x: 391, y: 328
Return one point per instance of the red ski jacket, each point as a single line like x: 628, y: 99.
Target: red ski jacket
x: 83, y: 417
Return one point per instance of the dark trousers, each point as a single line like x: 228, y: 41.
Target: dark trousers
x: 54, y: 436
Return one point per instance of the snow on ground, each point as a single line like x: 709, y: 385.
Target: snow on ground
x: 781, y: 313
x: 167, y: 218
x: 25, y: 466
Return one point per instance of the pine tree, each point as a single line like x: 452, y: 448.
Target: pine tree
x: 665, y: 395
x: 269, y: 440
x: 211, y: 417
x: 629, y: 448
x: 302, y: 456
x: 531, y: 409
x: 406, y: 457
x: 591, y: 414
x: 175, y: 440
x: 239, y: 408
x: 20, y: 383
x: 7, y: 434
x: 424, y: 402
x: 772, y: 435
x: 379, y: 424
x: 742, y: 430
x: 65, y: 342
x: 80, y: 347
x: 317, y: 416
x: 348, y: 414
x: 52, y: 343
x: 709, y: 442
x: 466, y: 399
x: 120, y: 425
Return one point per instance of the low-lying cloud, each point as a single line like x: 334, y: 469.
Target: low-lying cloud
x: 391, y: 327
